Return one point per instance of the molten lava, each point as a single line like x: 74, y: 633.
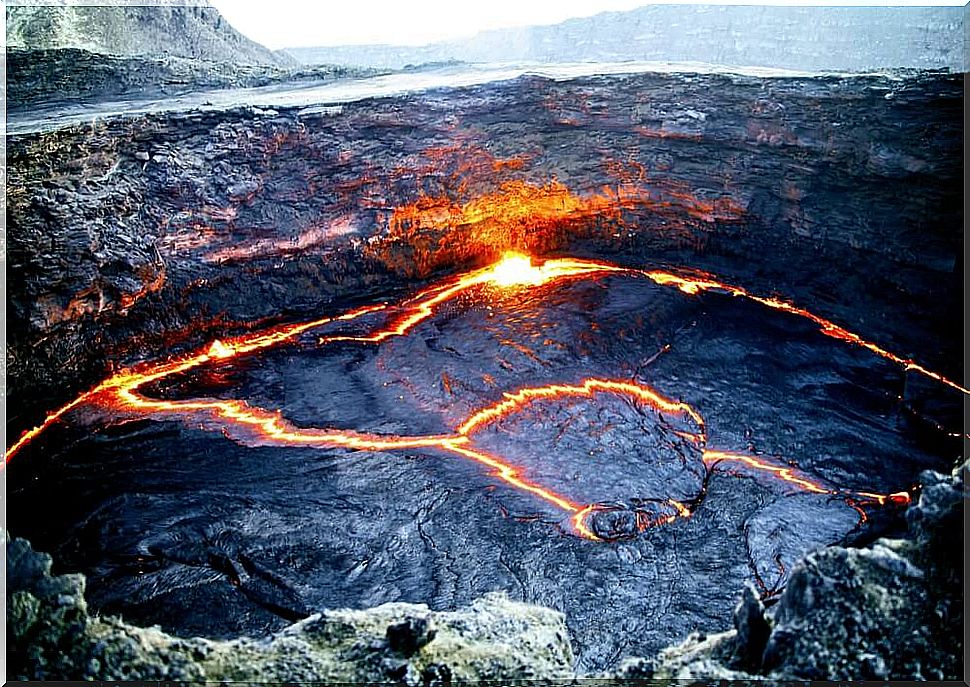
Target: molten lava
x: 250, y: 425
x: 219, y: 350
x: 515, y: 269
x: 515, y: 401
x: 435, y: 231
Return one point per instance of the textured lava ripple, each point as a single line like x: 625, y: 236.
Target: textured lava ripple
x: 120, y: 395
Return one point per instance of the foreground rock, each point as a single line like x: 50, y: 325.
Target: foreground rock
x: 52, y: 637
x: 890, y: 611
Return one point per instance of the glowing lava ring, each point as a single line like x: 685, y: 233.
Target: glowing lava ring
x: 687, y: 431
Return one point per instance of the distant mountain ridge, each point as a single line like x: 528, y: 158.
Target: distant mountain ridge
x: 166, y: 28
x: 799, y: 38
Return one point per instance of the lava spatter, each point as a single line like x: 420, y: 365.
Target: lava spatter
x: 251, y: 425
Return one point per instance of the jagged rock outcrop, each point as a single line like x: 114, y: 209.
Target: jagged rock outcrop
x: 52, y: 637
x: 192, y: 30
x: 893, y: 610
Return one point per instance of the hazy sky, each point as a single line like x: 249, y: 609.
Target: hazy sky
x: 301, y: 23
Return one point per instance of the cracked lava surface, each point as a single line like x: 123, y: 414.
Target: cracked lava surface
x: 592, y: 444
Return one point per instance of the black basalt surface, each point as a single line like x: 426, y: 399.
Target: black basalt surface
x: 135, y: 238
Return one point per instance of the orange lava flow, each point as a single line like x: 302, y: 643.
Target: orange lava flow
x: 515, y: 401
x: 257, y: 426
x: 900, y: 498
x: 509, y: 474
x: 513, y: 270
x: 126, y: 382
x: 693, y: 286
x: 786, y: 474
x: 269, y: 426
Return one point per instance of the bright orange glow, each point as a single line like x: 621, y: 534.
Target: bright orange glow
x: 515, y: 401
x: 435, y: 231
x: 219, y: 350
x: 579, y: 523
x: 682, y: 510
x: 899, y: 498
x: 251, y: 425
x: 643, y: 520
x: 131, y: 380
x: 515, y: 269
x: 512, y: 216
x: 422, y: 306
x: 267, y: 427
x: 507, y: 473
x: 51, y: 418
x: 786, y: 474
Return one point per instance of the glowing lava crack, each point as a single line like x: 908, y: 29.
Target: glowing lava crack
x: 120, y: 394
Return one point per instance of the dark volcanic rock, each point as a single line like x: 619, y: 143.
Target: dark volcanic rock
x: 752, y: 630
x: 134, y: 238
x: 892, y: 611
x: 888, y: 612
x: 111, y: 255
x: 52, y: 637
x: 409, y: 635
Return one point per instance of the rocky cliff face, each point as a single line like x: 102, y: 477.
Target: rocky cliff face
x: 803, y: 38
x: 192, y: 30
x: 893, y: 610
x: 52, y: 637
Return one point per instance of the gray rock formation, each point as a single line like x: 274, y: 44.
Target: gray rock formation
x: 892, y: 610
x: 52, y: 637
x: 57, y: 76
x: 803, y: 38
x: 192, y: 30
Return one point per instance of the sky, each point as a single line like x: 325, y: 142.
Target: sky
x: 305, y: 23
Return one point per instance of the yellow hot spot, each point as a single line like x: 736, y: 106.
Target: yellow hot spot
x: 220, y: 350
x: 515, y: 269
